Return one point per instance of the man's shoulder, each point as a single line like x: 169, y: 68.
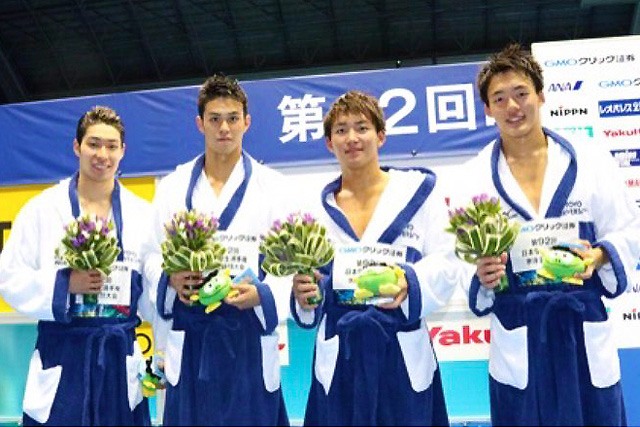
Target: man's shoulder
x: 43, y: 202
x: 266, y: 175
x: 182, y: 173
x: 131, y: 199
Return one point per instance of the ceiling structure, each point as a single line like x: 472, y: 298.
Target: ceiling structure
x: 60, y: 48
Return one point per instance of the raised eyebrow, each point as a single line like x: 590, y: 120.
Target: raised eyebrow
x: 95, y: 138
x: 214, y: 114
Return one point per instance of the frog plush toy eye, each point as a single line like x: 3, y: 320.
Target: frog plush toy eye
x: 378, y: 281
x: 215, y: 289
x: 561, y: 262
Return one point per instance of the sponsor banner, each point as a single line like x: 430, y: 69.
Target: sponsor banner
x: 624, y: 312
x: 619, y: 107
x: 600, y: 100
x: 430, y: 111
x: 460, y: 336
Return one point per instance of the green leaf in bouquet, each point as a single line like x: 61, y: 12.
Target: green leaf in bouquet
x: 90, y: 258
x: 294, y: 245
x: 475, y: 238
x: 492, y: 242
x: 196, y: 261
x: 304, y: 259
x: 507, y: 239
x: 111, y: 255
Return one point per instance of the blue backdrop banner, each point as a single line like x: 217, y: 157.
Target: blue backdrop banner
x: 431, y: 111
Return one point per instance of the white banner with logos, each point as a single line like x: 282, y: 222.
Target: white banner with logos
x: 592, y: 91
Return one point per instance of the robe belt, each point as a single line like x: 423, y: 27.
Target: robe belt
x: 555, y: 301
x: 560, y: 311
x: 368, y: 361
x: 219, y: 331
x: 100, y: 333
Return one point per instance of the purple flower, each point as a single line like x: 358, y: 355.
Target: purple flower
x: 494, y: 201
x: 199, y: 224
x: 291, y: 219
x: 105, y: 231
x: 87, y: 226
x: 277, y: 225
x: 308, y: 219
x: 75, y: 242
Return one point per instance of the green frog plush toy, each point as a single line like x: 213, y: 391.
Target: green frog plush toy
x: 561, y: 262
x: 378, y: 281
x: 215, y: 289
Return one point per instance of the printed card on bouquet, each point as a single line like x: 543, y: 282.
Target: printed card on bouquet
x: 352, y: 260
x: 242, y: 251
x: 540, y: 234
x: 117, y: 287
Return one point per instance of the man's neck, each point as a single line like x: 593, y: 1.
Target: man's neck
x: 364, y: 181
x: 526, y: 147
x: 219, y: 166
x: 95, y: 192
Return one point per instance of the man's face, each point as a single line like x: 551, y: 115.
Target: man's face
x: 100, y: 152
x: 514, y: 104
x: 223, y: 124
x: 354, y: 140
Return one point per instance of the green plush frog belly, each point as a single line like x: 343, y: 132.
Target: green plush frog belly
x: 378, y: 281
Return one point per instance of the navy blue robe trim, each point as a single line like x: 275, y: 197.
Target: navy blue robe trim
x: 562, y: 192
x: 116, y: 207
x: 317, y: 312
x: 587, y: 231
x: 398, y: 224
x: 268, y: 304
x: 618, y: 269
x: 61, y: 296
x: 474, y: 289
x: 234, y: 204
x: 413, y: 293
x: 163, y: 283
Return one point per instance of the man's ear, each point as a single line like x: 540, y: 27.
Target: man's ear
x: 327, y: 141
x: 76, y: 147
x: 382, y: 138
x: 247, y: 122
x: 487, y: 111
x: 199, y: 123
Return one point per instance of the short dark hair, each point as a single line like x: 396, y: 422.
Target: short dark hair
x: 221, y: 86
x: 512, y: 58
x: 356, y: 102
x: 96, y: 115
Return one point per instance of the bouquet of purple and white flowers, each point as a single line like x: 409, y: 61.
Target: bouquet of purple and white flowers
x: 482, y: 230
x: 89, y: 243
x: 298, y: 245
x: 190, y: 243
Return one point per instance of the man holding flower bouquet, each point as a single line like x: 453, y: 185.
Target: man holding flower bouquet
x: 553, y: 359
x: 86, y: 361
x: 374, y: 363
x: 221, y: 364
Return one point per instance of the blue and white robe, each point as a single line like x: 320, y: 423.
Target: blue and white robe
x: 553, y: 359
x: 222, y: 367
x: 374, y: 366
x: 83, y: 370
